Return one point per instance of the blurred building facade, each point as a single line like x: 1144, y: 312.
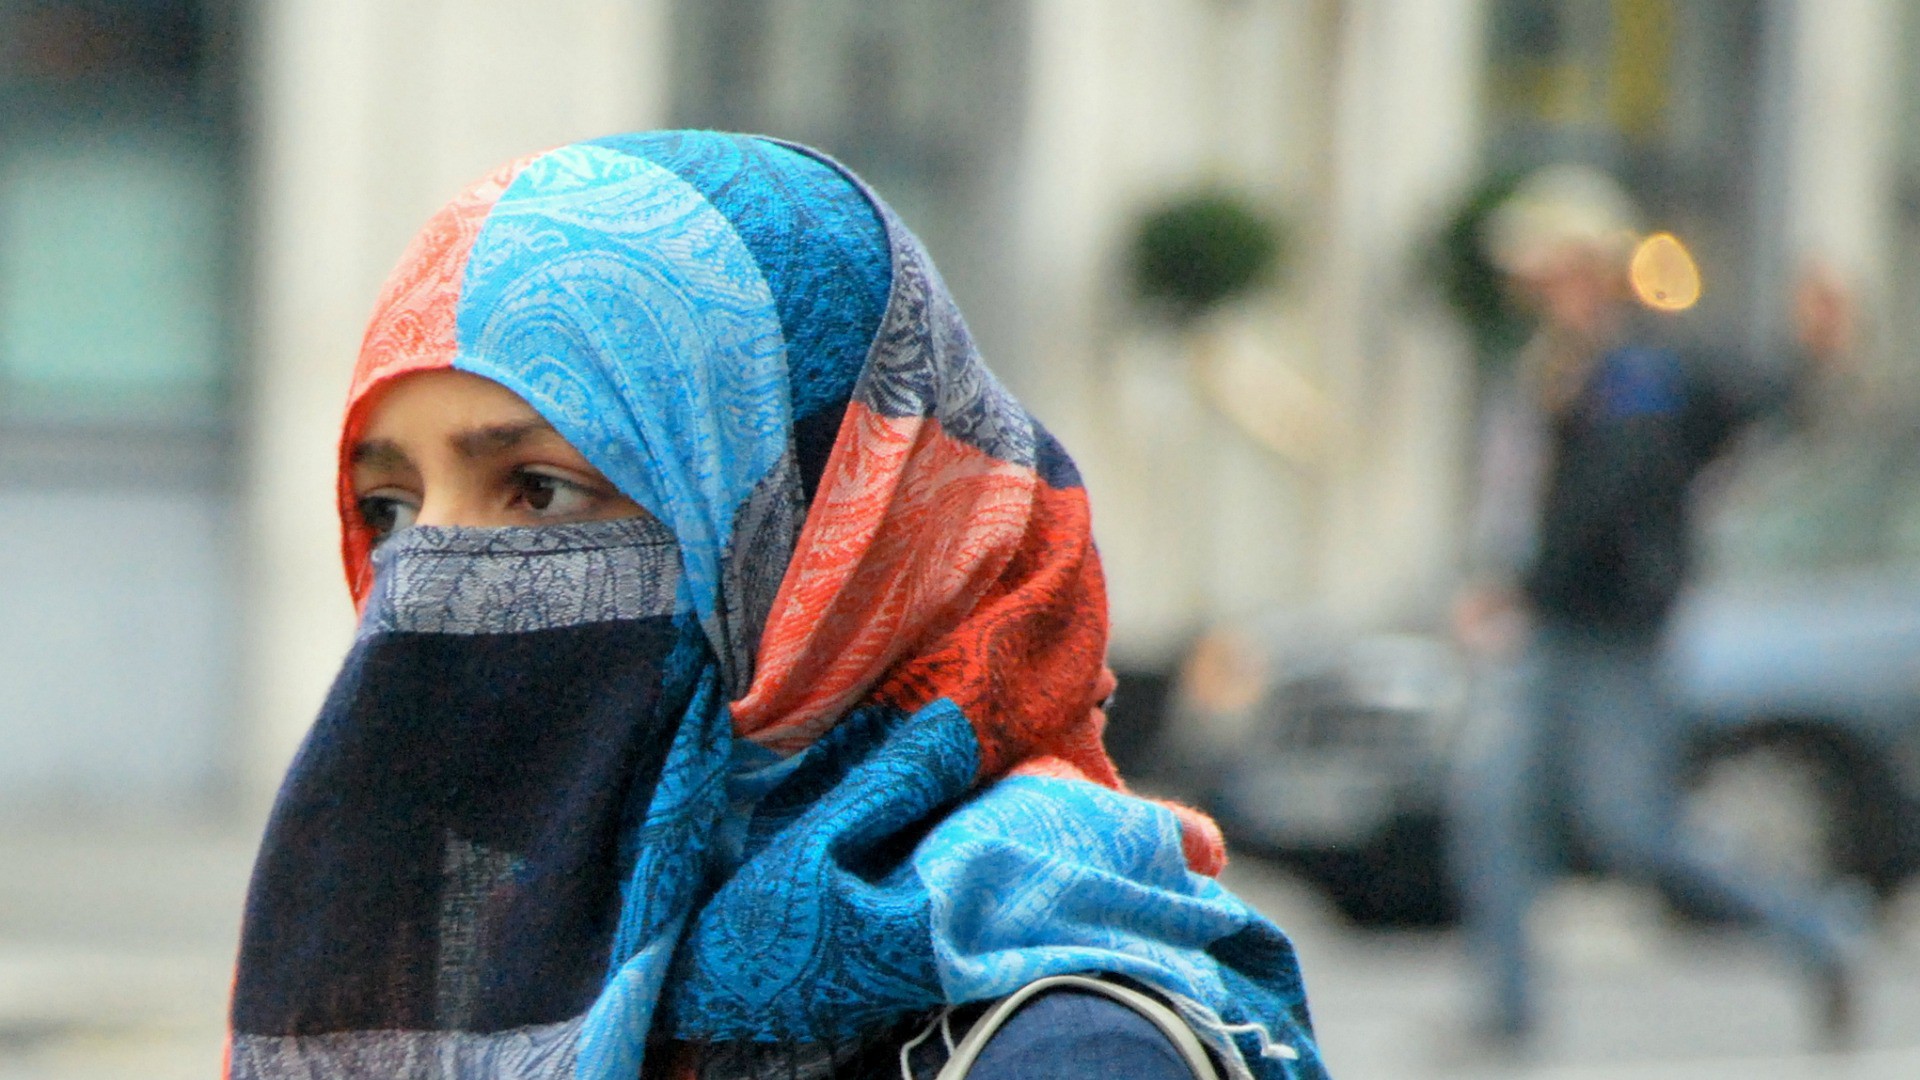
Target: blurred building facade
x: 122, y: 254
x: 193, y: 228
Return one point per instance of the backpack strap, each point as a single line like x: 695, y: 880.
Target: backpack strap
x: 1162, y: 1017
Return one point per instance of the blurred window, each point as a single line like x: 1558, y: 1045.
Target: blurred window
x: 1806, y: 508
x: 118, y: 228
x: 1903, y: 512
x: 110, y: 292
x: 1903, y: 305
x: 116, y: 213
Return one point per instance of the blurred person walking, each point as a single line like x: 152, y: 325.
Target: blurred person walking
x: 1583, y: 536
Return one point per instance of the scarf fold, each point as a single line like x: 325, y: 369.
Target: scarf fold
x: 874, y: 677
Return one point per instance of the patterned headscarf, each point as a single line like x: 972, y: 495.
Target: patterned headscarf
x: 887, y: 791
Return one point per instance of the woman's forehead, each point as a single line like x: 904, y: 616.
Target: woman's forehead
x: 427, y: 402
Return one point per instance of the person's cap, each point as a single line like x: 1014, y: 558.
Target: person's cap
x: 1556, y: 208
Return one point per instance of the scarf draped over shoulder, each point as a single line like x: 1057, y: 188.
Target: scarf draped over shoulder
x: 887, y: 790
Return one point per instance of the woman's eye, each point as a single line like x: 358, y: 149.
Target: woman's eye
x: 385, y: 515
x: 551, y: 496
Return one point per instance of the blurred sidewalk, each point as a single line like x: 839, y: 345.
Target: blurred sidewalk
x: 1626, y: 995
x: 116, y: 953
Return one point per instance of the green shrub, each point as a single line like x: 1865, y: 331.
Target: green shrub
x: 1469, y: 281
x: 1199, y: 250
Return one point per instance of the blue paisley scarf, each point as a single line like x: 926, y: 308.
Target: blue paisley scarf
x: 756, y: 784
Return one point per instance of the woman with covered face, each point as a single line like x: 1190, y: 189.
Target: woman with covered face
x: 726, y: 697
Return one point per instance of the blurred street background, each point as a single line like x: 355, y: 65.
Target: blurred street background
x: 1225, y: 249
x: 116, y: 953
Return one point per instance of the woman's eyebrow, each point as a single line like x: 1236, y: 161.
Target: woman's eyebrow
x: 378, y: 454
x: 494, y: 438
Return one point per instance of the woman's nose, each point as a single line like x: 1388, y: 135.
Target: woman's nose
x: 453, y: 505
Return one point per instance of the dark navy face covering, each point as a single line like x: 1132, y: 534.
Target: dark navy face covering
x: 446, y: 854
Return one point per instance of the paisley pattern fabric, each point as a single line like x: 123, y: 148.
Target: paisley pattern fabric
x: 502, y: 581
x: 884, y: 791
x: 441, y: 875
x: 518, y: 1054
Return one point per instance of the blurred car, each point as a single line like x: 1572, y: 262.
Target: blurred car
x: 1328, y: 751
x: 1798, y: 664
x: 1797, y: 667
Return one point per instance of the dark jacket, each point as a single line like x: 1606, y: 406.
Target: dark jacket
x: 1613, y: 542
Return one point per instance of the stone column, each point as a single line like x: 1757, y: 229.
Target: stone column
x: 1357, y: 121
x: 1406, y: 142
x: 1132, y: 102
x: 1840, y: 156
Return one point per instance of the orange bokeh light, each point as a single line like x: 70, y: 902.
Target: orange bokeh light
x: 1663, y: 273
